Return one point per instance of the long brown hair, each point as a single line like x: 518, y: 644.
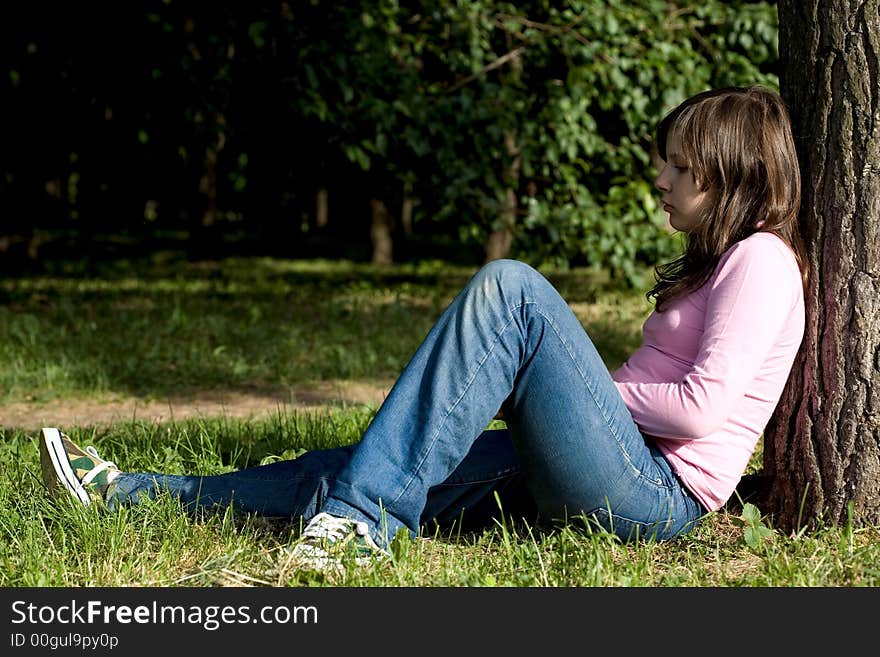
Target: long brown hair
x: 738, y: 143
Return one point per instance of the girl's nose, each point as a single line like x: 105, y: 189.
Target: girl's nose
x: 661, y: 182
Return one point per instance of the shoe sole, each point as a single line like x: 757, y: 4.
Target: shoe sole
x: 54, y: 456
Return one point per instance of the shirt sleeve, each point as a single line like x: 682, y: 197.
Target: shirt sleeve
x: 749, y: 300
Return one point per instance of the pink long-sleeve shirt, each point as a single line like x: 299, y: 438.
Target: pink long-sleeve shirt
x: 712, y: 365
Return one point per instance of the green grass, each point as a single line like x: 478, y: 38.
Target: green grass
x: 49, y: 543
x: 166, y: 326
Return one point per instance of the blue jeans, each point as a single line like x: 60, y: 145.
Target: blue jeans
x: 507, y: 340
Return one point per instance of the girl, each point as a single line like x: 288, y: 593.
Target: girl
x: 643, y: 451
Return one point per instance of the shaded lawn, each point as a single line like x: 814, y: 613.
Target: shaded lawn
x: 164, y: 326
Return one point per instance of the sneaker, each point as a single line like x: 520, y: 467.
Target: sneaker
x: 66, y: 467
x: 328, y: 542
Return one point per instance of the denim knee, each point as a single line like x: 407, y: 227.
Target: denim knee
x: 507, y: 277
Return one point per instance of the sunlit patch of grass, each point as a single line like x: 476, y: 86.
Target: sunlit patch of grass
x: 59, y: 543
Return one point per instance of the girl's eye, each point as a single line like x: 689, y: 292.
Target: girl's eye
x: 681, y: 169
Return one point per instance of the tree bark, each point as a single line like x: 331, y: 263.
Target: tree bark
x: 501, y: 239
x: 406, y: 209
x: 822, y: 446
x: 499, y: 242
x: 208, y: 187
x: 322, y: 210
x: 380, y: 233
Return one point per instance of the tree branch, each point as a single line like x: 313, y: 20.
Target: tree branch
x: 498, y: 63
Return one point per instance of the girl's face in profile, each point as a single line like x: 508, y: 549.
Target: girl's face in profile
x: 683, y: 200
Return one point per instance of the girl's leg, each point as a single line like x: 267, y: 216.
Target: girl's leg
x: 509, y: 335
x: 290, y: 488
x: 297, y: 488
x: 467, y: 498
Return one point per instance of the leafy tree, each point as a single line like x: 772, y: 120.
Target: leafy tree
x: 515, y: 128
x: 546, y: 113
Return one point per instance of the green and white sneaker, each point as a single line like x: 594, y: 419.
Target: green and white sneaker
x: 328, y: 542
x: 70, y: 470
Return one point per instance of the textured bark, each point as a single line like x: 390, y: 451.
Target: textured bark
x: 822, y: 447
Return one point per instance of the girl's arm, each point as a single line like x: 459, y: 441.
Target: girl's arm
x: 754, y: 295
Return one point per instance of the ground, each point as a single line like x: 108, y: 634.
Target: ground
x: 32, y: 416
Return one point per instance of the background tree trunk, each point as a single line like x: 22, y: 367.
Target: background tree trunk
x: 406, y: 209
x: 380, y: 233
x: 322, y: 208
x: 208, y: 187
x: 822, y: 447
x: 499, y: 242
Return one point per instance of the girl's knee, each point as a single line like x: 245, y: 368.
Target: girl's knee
x: 505, y: 274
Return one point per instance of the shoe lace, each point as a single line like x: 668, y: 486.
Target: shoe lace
x: 98, y: 469
x: 332, y: 529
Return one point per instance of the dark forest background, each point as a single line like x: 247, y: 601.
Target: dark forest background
x: 378, y: 131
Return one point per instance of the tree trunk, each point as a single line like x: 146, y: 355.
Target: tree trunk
x: 380, y: 233
x: 822, y: 446
x: 322, y: 211
x: 500, y: 241
x: 406, y: 209
x: 208, y: 187
x: 208, y: 181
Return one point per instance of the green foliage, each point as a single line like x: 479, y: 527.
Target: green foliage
x: 594, y: 79
x: 755, y: 532
x: 237, y: 117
